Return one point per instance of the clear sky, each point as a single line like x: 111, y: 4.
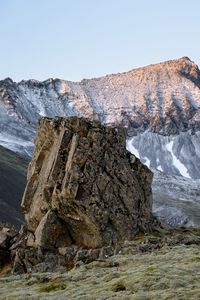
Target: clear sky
x: 76, y: 39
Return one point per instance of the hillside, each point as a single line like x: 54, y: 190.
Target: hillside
x: 162, y: 266
x: 12, y: 184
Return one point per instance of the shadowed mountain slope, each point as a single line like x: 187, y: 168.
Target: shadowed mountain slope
x: 12, y: 183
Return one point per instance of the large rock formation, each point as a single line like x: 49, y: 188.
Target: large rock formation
x: 84, y: 197
x: 83, y: 187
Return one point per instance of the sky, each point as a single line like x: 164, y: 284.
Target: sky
x: 78, y: 39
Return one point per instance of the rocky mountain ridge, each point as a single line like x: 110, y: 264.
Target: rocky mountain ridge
x: 163, y: 99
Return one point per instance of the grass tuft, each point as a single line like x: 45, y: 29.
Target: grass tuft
x: 52, y: 287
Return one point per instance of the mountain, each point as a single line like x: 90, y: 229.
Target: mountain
x: 176, y: 200
x: 159, y: 102
x: 160, y: 105
x: 12, y: 184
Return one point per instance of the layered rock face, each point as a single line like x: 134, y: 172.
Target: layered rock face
x: 83, y: 188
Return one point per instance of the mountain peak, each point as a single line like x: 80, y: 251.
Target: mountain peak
x: 173, y: 63
x: 185, y: 58
x: 182, y: 60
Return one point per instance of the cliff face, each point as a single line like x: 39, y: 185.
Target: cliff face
x: 83, y: 187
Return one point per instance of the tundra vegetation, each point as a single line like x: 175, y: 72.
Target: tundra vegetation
x: 163, y: 265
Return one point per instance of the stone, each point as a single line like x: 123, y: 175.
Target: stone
x: 9, y: 231
x: 67, y: 251
x: 71, y: 253
x: 117, y: 250
x: 20, y: 239
x: 106, y: 252
x: 81, y: 255
x: 7, y: 235
x: 85, y: 196
x: 93, y: 254
x: 30, y: 240
x: 18, y: 262
x: 51, y: 233
x: 84, y: 189
x: 4, y: 239
x: 63, y: 250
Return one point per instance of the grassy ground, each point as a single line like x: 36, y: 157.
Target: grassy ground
x: 139, y: 272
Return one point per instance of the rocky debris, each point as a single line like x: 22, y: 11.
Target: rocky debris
x: 7, y: 235
x: 30, y: 260
x: 162, y: 238
x: 85, y: 195
x: 33, y: 260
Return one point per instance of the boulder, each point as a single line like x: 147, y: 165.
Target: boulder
x: 83, y: 188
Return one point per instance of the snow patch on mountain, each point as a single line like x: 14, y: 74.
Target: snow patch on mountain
x: 177, y: 155
x: 147, y: 162
x: 159, y: 168
x: 16, y: 144
x: 131, y: 148
x: 182, y: 169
